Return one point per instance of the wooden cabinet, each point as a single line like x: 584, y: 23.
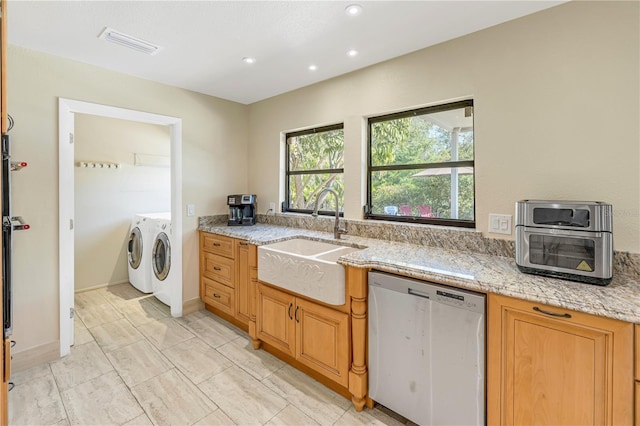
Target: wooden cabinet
x: 322, y: 340
x: 637, y: 374
x: 228, y: 276
x: 217, y: 272
x: 246, y: 278
x: 315, y: 335
x: 552, y: 366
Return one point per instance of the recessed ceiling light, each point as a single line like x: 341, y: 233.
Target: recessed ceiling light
x: 352, y: 52
x: 249, y: 60
x: 312, y: 67
x: 353, y: 10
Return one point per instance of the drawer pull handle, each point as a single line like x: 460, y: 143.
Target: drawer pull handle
x: 217, y: 268
x: 216, y: 295
x: 216, y: 244
x: 553, y: 314
x: 296, y: 313
x: 290, y: 306
x: 242, y: 243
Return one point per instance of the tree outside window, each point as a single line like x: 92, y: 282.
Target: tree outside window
x: 421, y: 166
x: 315, y: 160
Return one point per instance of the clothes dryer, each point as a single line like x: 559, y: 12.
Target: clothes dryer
x: 163, y: 277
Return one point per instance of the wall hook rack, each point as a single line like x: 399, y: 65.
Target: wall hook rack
x: 98, y: 165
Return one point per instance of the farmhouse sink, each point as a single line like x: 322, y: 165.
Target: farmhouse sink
x: 305, y: 267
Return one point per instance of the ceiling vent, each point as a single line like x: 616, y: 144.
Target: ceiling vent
x: 113, y: 36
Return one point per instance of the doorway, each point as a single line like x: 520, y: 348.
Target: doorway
x: 66, y: 116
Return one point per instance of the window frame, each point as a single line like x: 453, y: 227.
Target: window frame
x: 419, y: 166
x: 289, y: 172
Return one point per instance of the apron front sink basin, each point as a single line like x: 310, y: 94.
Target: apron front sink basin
x: 305, y: 267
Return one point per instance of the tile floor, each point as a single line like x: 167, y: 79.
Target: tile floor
x: 132, y: 364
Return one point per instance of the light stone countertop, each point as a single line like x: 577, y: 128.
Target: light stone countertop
x: 473, y: 271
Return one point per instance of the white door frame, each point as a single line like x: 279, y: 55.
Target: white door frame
x: 66, y: 110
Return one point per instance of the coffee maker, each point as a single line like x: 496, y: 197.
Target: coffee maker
x: 242, y: 210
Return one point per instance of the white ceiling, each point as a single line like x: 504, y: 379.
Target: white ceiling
x: 203, y: 42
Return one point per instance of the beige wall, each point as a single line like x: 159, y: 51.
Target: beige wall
x: 107, y: 199
x: 214, y: 151
x: 556, y: 111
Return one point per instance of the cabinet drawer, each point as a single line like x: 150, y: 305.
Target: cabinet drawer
x: 637, y: 351
x: 218, y: 268
x: 219, y: 296
x: 217, y: 244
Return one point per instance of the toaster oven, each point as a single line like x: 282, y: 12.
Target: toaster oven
x: 565, y: 239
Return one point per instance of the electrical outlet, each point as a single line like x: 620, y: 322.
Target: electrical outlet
x: 191, y: 209
x: 272, y: 207
x: 500, y: 223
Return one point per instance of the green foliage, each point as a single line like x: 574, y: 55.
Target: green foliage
x: 405, y: 141
x: 316, y: 151
x: 421, y: 141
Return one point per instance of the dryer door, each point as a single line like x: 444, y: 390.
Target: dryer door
x: 134, y: 248
x: 161, y: 256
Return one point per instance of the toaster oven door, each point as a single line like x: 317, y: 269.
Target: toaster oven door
x: 573, y: 253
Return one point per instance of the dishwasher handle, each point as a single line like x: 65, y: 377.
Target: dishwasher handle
x: 417, y: 293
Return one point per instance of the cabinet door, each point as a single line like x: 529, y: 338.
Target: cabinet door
x: 243, y: 281
x: 551, y: 366
x: 274, y: 322
x: 322, y: 340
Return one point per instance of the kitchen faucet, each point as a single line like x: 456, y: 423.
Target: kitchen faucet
x: 337, y: 231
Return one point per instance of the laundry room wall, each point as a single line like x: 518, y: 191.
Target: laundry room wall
x: 107, y: 198
x: 214, y: 164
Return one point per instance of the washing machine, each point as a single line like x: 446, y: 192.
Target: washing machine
x: 139, y: 248
x: 163, y: 278
x: 138, y: 260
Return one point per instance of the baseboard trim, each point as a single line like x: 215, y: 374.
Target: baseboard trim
x: 35, y: 356
x: 99, y: 286
x: 192, y: 305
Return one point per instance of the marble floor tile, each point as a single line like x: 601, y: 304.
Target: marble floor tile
x: 166, y: 310
x: 105, y: 400
x: 139, y: 311
x: 243, y: 398
x: 115, y: 334
x: 366, y: 417
x: 212, y: 332
x: 310, y: 396
x: 258, y: 363
x: 86, y: 362
x: 291, y: 416
x: 87, y: 299
x: 197, y: 360
x: 81, y: 334
x: 35, y: 400
x: 95, y: 315
x: 142, y: 420
x: 171, y: 399
x: 33, y: 373
x: 119, y: 292
x: 165, y: 333
x: 138, y: 362
x: 217, y: 418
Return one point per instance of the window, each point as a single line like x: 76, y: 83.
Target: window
x: 315, y: 160
x: 421, y: 166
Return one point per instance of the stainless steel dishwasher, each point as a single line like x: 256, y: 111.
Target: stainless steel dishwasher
x: 426, y: 350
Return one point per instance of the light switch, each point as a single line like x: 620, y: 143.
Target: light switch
x: 500, y: 223
x: 191, y: 209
